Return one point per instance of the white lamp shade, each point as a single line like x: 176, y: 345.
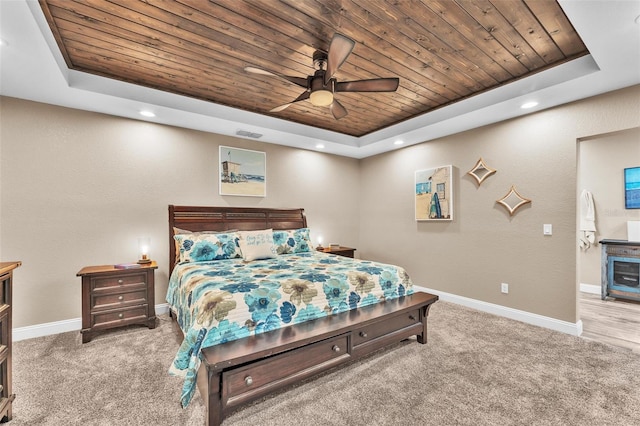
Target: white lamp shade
x: 321, y: 98
x: 144, y: 245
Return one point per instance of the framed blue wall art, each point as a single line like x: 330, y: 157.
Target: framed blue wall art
x: 632, y: 188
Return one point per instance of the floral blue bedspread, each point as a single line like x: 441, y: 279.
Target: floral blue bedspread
x: 224, y: 300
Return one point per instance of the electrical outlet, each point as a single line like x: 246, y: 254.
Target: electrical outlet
x: 504, y: 287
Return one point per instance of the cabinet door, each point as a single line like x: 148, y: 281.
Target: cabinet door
x: 623, y: 275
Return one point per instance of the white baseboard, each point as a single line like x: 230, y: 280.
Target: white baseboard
x: 575, y: 329
x: 75, y: 324
x: 590, y: 288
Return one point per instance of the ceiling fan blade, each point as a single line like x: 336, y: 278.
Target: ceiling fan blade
x: 373, y: 85
x: 302, y: 97
x: 337, y: 110
x: 339, y: 49
x: 300, y: 81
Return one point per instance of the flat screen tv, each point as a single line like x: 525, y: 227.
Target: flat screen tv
x: 632, y: 188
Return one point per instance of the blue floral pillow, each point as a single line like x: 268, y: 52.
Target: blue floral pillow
x: 198, y: 247
x: 293, y: 241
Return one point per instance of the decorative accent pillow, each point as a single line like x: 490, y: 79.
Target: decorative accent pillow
x: 292, y: 241
x: 177, y: 231
x: 198, y: 247
x: 257, y: 244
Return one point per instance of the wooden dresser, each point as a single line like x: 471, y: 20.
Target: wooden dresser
x: 6, y: 292
x: 114, y: 297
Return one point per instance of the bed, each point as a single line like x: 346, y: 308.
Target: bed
x: 254, y: 326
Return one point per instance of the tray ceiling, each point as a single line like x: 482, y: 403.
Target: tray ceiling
x: 442, y: 51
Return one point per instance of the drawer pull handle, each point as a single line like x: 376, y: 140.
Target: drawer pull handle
x: 120, y: 315
x: 120, y: 297
x: 120, y: 281
x: 412, y: 318
x: 248, y: 380
x: 335, y: 348
x: 363, y: 334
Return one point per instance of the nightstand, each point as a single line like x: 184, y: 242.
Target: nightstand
x: 114, y: 297
x: 340, y: 251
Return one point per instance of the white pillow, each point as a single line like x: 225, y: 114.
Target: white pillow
x: 257, y: 244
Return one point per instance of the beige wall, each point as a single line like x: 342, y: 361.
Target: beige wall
x: 79, y: 188
x: 483, y: 246
x: 600, y: 171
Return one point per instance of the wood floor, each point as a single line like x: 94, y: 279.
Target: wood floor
x: 612, y: 321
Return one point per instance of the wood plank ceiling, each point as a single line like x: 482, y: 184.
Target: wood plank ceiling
x: 443, y: 51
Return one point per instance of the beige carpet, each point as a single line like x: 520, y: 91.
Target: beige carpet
x: 477, y: 369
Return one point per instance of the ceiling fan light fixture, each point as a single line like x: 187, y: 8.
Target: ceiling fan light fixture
x: 321, y: 97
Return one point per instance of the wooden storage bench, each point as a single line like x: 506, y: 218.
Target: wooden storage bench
x: 243, y: 370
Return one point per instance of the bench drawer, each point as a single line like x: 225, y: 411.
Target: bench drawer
x: 381, y: 328
x: 246, y: 383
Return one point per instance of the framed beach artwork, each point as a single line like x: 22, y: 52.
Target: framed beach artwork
x: 434, y: 194
x: 243, y: 172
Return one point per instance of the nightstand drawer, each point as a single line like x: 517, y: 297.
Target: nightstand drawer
x: 110, y: 319
x: 118, y: 280
x: 100, y: 301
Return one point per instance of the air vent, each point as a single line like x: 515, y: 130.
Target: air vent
x: 248, y: 134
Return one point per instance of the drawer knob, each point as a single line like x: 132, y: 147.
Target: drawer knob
x: 412, y: 318
x: 248, y: 380
x: 335, y: 348
x: 120, y: 315
x: 363, y: 334
x: 120, y: 281
x: 120, y: 297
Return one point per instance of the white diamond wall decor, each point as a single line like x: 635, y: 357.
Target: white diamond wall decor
x: 513, y: 200
x: 481, y: 171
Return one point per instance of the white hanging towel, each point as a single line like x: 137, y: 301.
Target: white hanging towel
x: 587, y: 220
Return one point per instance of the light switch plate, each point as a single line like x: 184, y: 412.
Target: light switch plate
x: 547, y: 229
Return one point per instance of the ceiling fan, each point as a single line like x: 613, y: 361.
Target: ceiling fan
x: 321, y: 86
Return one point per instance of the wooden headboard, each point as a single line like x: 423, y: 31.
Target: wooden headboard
x: 230, y: 218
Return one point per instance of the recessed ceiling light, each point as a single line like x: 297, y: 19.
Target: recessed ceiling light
x: 319, y: 146
x: 398, y: 142
x: 147, y: 113
x: 528, y: 105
